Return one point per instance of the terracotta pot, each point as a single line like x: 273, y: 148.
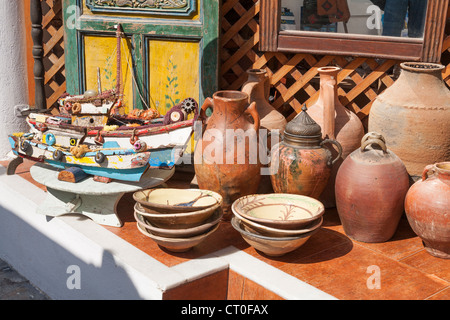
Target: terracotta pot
x: 337, y: 122
x: 427, y: 207
x: 414, y: 116
x: 227, y: 164
x: 371, y: 186
x: 300, y: 163
x: 257, y: 88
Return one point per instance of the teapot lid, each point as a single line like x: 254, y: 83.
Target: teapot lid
x: 303, y: 126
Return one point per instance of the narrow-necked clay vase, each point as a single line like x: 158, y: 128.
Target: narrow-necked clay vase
x: 337, y: 122
x: 427, y: 207
x: 257, y: 87
x: 300, y: 163
x: 414, y: 116
x: 371, y: 187
x: 226, y: 156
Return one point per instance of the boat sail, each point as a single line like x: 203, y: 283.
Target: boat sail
x: 92, y: 133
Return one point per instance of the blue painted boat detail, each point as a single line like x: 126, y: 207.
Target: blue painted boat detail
x: 133, y: 174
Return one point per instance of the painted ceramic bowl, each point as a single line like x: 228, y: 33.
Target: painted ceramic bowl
x: 210, y: 223
x: 263, y: 230
x: 279, y: 210
x: 176, y: 220
x: 177, y: 244
x: 172, y: 200
x: 271, y: 246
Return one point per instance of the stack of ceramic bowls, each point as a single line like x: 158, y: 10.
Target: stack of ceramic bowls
x: 276, y: 224
x: 177, y: 219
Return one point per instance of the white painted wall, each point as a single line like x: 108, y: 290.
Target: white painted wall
x: 13, y: 70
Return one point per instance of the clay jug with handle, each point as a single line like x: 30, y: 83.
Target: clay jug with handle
x: 257, y: 87
x: 301, y: 163
x: 427, y: 207
x: 226, y: 156
x: 337, y: 123
x: 371, y: 187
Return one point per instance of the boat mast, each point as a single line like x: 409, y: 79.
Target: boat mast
x: 119, y: 86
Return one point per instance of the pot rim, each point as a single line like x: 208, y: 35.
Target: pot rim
x: 230, y: 95
x: 257, y: 71
x: 329, y: 69
x: 422, y: 67
x: 443, y: 167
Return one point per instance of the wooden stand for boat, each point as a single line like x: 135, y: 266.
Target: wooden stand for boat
x: 97, y: 201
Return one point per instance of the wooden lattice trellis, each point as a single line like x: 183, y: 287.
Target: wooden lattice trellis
x: 294, y: 77
x: 55, y: 84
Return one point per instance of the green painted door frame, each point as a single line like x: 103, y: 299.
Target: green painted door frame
x: 204, y: 30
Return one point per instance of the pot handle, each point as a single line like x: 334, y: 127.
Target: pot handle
x: 373, y: 138
x: 208, y: 103
x: 428, y: 171
x: 251, y: 110
x: 338, y: 145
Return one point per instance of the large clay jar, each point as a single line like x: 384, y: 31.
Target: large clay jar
x: 300, y: 163
x: 226, y: 156
x: 414, y: 116
x: 257, y: 87
x: 337, y: 122
x: 371, y: 187
x: 427, y: 207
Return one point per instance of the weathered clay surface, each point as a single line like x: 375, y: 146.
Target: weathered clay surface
x: 337, y: 122
x: 371, y: 186
x: 236, y: 172
x: 427, y: 207
x: 414, y: 117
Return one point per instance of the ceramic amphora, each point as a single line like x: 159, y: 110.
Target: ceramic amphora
x: 226, y: 156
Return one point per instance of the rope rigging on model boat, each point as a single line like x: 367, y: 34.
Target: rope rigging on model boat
x: 91, y: 132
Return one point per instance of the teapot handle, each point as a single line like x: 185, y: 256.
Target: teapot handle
x: 208, y: 103
x: 338, y: 145
x: 373, y: 138
x: 427, y: 170
x: 253, y: 112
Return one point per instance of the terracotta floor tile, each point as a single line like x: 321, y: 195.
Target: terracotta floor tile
x: 441, y: 295
x: 329, y: 260
x: 320, y: 241
x: 342, y: 271
x: 235, y: 285
x: 211, y: 287
x: 427, y: 263
x: 254, y: 291
x: 404, y: 242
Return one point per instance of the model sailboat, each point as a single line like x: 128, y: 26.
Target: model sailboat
x: 91, y: 133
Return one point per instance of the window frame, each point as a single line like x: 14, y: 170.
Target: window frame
x: 426, y: 49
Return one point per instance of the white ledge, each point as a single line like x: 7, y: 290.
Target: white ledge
x: 43, y: 248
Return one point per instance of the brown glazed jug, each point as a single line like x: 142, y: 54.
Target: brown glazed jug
x: 301, y: 164
x: 257, y: 87
x: 337, y: 123
x: 371, y: 187
x: 427, y: 207
x: 226, y: 156
x: 414, y: 116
